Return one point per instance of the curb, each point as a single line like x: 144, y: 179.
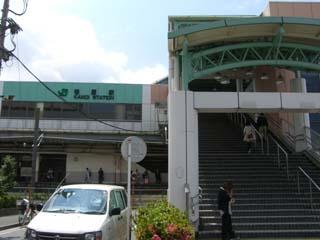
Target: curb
x: 9, y: 226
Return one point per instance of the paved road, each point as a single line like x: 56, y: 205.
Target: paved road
x: 13, y: 234
x: 18, y: 234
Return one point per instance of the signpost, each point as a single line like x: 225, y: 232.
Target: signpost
x: 133, y: 149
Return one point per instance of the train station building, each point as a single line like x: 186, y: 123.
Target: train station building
x: 82, y: 126
x: 223, y: 72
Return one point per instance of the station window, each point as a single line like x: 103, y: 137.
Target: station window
x: 77, y: 111
x: 133, y: 111
x: 16, y: 109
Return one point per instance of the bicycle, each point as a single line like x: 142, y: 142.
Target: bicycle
x: 27, y: 212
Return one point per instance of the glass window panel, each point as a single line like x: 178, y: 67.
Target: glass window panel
x: 102, y: 110
x: 120, y: 200
x: 113, y: 202
x: 5, y: 109
x: 52, y: 110
x: 18, y: 110
x: 133, y: 111
x: 124, y: 197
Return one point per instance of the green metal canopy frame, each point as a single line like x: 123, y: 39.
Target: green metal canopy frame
x: 276, y: 52
x: 287, y: 55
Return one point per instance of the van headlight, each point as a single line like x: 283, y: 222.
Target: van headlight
x: 93, y: 236
x: 31, y: 234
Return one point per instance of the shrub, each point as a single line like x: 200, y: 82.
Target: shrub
x: 7, y: 201
x: 162, y: 221
x: 7, y: 174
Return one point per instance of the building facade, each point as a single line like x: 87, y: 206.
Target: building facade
x: 81, y: 126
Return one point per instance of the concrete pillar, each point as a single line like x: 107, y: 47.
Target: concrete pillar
x: 148, y: 121
x: 183, y: 172
x: 300, y: 120
x: 239, y: 85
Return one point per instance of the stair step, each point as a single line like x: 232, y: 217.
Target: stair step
x: 274, y: 234
x: 264, y: 219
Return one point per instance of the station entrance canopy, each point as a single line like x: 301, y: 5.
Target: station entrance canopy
x: 212, y: 45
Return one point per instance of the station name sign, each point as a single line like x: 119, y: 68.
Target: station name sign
x: 64, y: 92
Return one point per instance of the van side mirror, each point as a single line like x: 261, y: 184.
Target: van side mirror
x: 115, y: 211
x: 39, y: 207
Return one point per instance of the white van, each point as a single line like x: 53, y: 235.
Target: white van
x: 82, y: 211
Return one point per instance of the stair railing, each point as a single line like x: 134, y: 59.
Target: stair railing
x: 311, y: 184
x: 312, y: 139
x: 283, y: 129
x: 260, y: 137
x: 195, y: 200
x: 278, y: 155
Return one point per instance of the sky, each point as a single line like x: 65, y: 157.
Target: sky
x: 111, y: 41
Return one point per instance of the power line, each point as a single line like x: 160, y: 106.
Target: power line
x: 65, y: 101
x: 25, y: 6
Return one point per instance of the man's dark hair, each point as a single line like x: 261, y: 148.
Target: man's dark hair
x: 228, y: 186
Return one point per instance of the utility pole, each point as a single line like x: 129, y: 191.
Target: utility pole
x: 35, y: 146
x: 3, y: 29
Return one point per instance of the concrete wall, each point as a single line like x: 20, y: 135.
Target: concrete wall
x: 113, y: 165
x: 256, y: 102
x: 293, y: 9
x: 159, y: 94
x: 78, y: 162
x: 149, y: 120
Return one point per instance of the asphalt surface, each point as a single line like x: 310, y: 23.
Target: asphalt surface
x: 8, y: 222
x: 16, y: 233
x: 10, y: 229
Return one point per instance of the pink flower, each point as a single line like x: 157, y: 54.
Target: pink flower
x: 186, y: 237
x: 171, y: 228
x: 155, y: 237
x: 151, y: 228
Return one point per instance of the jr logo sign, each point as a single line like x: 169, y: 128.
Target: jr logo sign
x: 63, y: 92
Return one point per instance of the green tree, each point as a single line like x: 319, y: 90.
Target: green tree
x: 7, y: 174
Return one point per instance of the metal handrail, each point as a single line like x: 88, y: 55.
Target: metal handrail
x: 278, y: 154
x: 289, y: 136
x: 198, y: 196
x: 311, y: 181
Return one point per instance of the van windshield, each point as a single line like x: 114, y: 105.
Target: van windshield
x: 74, y: 200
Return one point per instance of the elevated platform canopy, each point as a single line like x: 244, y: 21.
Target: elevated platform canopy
x: 211, y: 45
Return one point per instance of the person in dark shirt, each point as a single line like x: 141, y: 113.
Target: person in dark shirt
x: 100, y: 175
x: 262, y: 125
x: 225, y: 200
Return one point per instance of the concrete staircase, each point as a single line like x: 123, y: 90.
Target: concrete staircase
x: 143, y: 194
x: 267, y: 203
